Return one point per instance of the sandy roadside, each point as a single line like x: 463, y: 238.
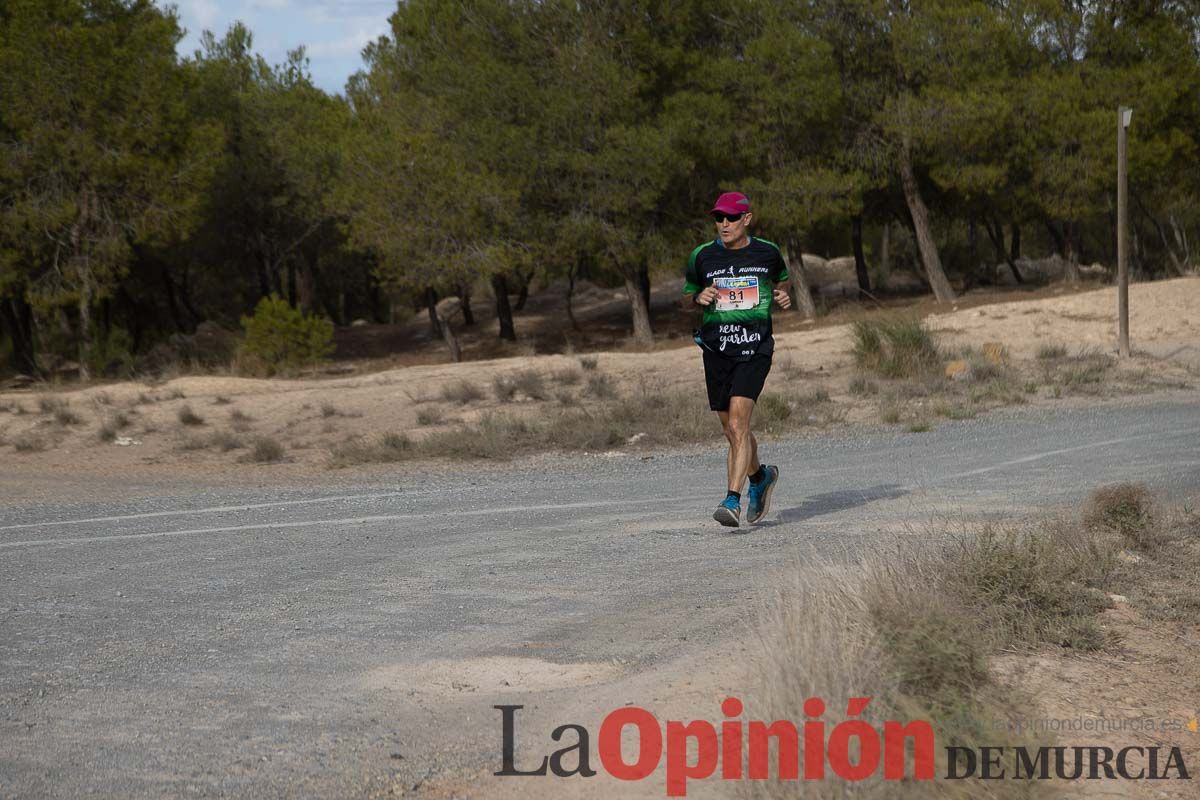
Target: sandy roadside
x: 310, y: 417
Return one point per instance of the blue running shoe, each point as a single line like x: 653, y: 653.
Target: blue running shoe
x: 760, y: 495
x: 729, y: 513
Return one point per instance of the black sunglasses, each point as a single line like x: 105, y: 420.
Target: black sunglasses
x: 721, y: 216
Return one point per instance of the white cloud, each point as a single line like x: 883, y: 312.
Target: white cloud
x: 347, y: 46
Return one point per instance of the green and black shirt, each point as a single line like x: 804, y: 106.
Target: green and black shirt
x: 737, y: 325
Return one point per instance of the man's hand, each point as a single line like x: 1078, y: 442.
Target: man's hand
x: 782, y: 297
x: 705, y: 296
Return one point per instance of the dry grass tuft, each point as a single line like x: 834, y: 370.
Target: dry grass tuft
x: 386, y: 449
x: 1051, y: 351
x: 265, y: 450
x: 29, y: 443
x: 189, y: 417
x: 226, y: 441
x: 1126, y: 509
x: 567, y: 377
x: 589, y: 362
x: 461, y: 392
x: 112, y: 425
x: 60, y: 409
x: 430, y: 416
x: 861, y: 386
x: 527, y: 382
x: 601, y: 386
x: 1082, y: 373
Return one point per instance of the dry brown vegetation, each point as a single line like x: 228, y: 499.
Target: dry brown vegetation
x: 919, y: 628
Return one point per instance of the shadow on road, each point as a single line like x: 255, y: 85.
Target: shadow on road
x: 833, y: 502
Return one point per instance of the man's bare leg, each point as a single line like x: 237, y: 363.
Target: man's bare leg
x: 742, y: 459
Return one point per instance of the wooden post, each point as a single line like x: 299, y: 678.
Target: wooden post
x: 1123, y: 116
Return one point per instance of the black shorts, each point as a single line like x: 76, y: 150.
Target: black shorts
x: 727, y: 378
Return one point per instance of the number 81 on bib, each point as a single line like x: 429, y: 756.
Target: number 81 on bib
x: 736, y: 294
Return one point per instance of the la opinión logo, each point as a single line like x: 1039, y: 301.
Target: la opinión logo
x: 852, y: 750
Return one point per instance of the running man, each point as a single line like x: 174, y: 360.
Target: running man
x: 734, y: 278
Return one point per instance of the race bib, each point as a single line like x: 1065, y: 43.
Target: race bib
x: 736, y: 294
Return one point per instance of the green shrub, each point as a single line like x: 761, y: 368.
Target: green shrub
x: 899, y: 348
x: 771, y: 408
x: 282, y: 339
x: 112, y: 354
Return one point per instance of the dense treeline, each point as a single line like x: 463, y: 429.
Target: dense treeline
x: 486, y: 144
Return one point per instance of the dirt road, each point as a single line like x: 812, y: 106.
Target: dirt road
x: 348, y: 639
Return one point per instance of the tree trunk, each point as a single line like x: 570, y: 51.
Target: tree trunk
x: 885, y: 241
x: 1162, y: 235
x: 305, y: 280
x: 570, y: 298
x: 185, y: 295
x: 860, y: 262
x: 1015, y: 249
x: 1072, y: 254
x: 1137, y: 268
x: 644, y: 283
x: 464, y: 297
x: 802, y: 297
x: 503, y: 309
x: 924, y: 234
x: 289, y: 281
x: 85, y: 320
x: 972, y: 274
x: 172, y: 308
x: 431, y: 299
x: 16, y: 317
x: 522, y: 294
x: 995, y: 232
x: 642, y: 332
x: 1181, y: 239
x: 1060, y: 241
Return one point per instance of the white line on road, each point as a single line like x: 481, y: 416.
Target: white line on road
x: 209, y: 510
x: 1063, y: 451
x: 342, y: 521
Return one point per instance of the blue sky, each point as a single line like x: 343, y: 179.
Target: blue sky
x: 333, y: 31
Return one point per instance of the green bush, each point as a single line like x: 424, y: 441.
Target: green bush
x: 282, y: 339
x: 895, y: 348
x: 112, y: 354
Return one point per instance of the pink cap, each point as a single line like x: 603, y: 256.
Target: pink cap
x: 732, y: 203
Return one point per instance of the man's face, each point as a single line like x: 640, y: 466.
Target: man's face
x: 732, y: 230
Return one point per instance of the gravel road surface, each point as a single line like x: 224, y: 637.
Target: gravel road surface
x: 350, y: 637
